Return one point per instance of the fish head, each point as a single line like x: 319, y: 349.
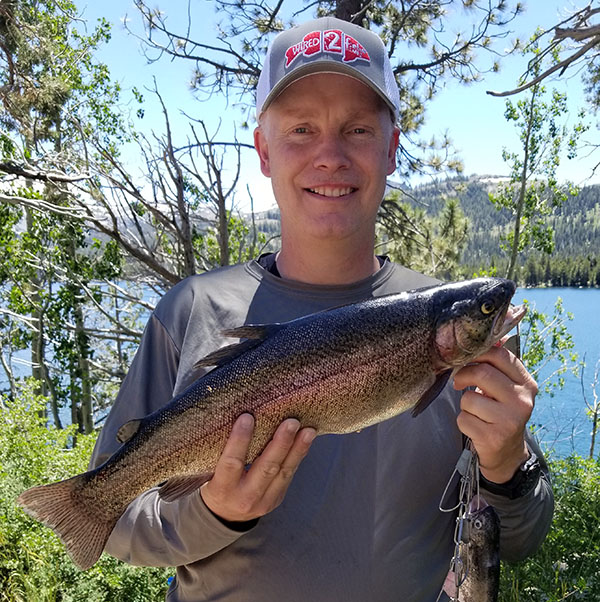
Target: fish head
x: 484, y: 527
x: 472, y: 317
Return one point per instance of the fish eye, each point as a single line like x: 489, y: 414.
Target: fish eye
x: 478, y: 523
x: 487, y: 307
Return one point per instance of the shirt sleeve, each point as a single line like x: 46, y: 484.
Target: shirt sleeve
x: 525, y: 521
x: 152, y: 532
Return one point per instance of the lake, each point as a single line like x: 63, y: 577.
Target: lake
x: 561, y: 421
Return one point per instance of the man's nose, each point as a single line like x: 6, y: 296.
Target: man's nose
x: 331, y: 152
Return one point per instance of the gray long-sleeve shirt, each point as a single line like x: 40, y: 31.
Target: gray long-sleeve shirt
x: 360, y: 521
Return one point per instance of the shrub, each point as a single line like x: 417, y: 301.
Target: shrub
x: 567, y: 566
x: 34, y: 566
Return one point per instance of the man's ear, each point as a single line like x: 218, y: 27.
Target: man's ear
x: 394, y: 142
x: 262, y: 148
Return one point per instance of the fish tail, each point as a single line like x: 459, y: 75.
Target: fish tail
x: 59, y: 507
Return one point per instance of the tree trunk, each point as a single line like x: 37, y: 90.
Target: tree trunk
x: 86, y: 424
x: 37, y: 343
x: 349, y: 10
x: 522, y: 191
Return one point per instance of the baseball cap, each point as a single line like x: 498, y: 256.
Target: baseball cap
x: 327, y: 45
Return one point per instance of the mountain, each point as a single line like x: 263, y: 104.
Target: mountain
x: 576, y: 224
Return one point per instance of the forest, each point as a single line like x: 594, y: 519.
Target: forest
x: 574, y: 257
x: 91, y: 238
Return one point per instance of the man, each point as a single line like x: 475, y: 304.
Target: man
x: 353, y: 517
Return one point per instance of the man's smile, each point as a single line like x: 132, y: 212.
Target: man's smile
x: 330, y: 191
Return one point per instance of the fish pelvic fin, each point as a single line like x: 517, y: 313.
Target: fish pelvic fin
x: 429, y: 396
x: 254, y: 335
x: 128, y: 430
x: 58, y: 506
x: 177, y: 487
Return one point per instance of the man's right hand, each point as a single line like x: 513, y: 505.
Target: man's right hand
x: 237, y: 495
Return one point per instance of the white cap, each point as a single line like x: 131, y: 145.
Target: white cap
x: 327, y: 45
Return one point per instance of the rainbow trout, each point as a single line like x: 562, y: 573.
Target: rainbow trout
x: 480, y: 577
x: 337, y: 371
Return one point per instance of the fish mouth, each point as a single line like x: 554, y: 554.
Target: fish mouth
x: 508, y: 319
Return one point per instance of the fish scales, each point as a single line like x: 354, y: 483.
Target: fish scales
x: 337, y: 371
x: 483, y: 577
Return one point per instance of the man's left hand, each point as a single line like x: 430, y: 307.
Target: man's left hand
x: 495, y: 414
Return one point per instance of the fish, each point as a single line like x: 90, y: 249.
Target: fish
x: 482, y: 581
x: 483, y: 578
x: 337, y: 371
x: 479, y: 575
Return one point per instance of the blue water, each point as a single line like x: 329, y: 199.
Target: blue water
x: 561, y: 421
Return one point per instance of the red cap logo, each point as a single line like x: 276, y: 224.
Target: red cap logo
x: 332, y: 41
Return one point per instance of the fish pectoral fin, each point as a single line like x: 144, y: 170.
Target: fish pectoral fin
x: 254, y: 335
x: 432, y: 392
x: 128, y: 430
x: 177, y: 487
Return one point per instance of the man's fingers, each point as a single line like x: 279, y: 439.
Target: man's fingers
x: 273, y: 482
x: 235, y: 494
x: 496, y: 357
x: 296, y: 454
x: 231, y: 464
x: 494, y: 415
x: 268, y: 465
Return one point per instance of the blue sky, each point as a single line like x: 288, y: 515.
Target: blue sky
x: 474, y: 120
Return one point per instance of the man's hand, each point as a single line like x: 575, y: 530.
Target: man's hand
x: 495, y: 415
x: 236, y: 494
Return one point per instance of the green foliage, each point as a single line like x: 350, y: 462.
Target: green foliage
x: 34, y: 566
x: 567, y: 566
x: 575, y: 224
x: 546, y: 339
x: 532, y: 193
x: 242, y: 246
x: 48, y: 272
x: 426, y: 242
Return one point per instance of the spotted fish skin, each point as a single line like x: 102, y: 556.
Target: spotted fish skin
x: 482, y: 582
x: 337, y: 371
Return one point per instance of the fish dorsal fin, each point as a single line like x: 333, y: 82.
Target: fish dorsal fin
x: 128, y: 430
x: 179, y: 486
x: 432, y: 392
x: 250, y: 331
x: 254, y: 335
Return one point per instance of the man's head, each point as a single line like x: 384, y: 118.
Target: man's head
x: 327, y: 45
x: 325, y: 137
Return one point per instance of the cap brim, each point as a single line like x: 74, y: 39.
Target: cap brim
x: 323, y: 66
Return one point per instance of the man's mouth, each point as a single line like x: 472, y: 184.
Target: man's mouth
x: 332, y: 192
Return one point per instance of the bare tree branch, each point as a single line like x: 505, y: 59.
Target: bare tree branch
x: 41, y: 205
x: 39, y: 174
x: 579, y: 31
x: 562, y: 65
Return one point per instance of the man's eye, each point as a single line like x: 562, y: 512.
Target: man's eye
x: 300, y: 130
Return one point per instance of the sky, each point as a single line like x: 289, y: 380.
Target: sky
x: 472, y: 119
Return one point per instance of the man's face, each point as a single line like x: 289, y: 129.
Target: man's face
x: 327, y: 143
